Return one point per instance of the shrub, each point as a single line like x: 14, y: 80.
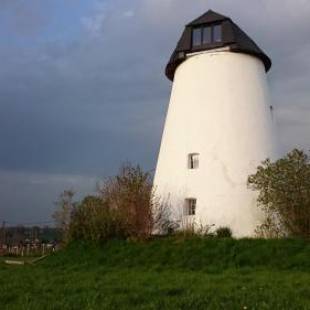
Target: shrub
x: 124, y: 207
x: 223, y: 232
x: 284, y: 194
x: 92, y: 220
x: 130, y: 196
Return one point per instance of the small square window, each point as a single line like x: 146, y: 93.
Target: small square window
x: 193, y: 161
x: 217, y: 33
x: 196, y: 37
x: 190, y: 207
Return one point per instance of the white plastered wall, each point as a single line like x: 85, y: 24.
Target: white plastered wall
x: 219, y: 108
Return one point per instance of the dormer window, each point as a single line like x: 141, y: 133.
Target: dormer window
x: 206, y: 35
x: 197, y: 37
x: 217, y: 33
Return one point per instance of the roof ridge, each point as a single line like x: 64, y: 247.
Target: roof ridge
x: 208, y: 17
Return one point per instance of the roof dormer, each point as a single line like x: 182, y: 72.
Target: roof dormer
x: 213, y: 31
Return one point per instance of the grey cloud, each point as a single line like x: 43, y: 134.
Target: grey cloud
x: 83, y: 106
x: 24, y: 195
x: 25, y: 18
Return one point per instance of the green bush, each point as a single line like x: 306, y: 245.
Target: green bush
x: 124, y: 207
x: 284, y: 195
x: 223, y: 232
x: 130, y: 195
x: 93, y: 220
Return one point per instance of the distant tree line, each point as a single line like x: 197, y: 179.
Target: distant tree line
x: 19, y: 235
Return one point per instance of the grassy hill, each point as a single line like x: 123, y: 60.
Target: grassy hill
x: 169, y: 273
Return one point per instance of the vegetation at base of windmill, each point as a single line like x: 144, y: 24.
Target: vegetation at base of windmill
x: 284, y: 195
x: 124, y: 207
x: 190, y: 228
x: 223, y: 232
x: 166, y: 273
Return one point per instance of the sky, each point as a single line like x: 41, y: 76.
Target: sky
x: 83, y: 90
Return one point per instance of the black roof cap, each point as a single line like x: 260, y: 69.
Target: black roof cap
x: 232, y: 36
x: 206, y: 18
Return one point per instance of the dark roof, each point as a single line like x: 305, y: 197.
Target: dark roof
x: 209, y: 17
x: 232, y: 36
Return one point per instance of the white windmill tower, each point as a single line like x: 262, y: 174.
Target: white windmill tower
x: 219, y: 125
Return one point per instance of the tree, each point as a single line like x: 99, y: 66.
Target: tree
x: 284, y: 194
x: 130, y: 194
x: 124, y: 207
x: 62, y: 215
x: 92, y: 220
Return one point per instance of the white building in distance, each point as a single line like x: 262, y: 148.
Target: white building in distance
x: 219, y: 126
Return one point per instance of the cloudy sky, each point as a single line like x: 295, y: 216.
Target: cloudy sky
x: 82, y: 87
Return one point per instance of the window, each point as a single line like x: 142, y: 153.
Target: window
x: 197, y: 37
x: 217, y: 33
x: 207, y: 35
x: 190, y: 207
x: 193, y: 161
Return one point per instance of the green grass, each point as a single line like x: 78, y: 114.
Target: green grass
x: 165, y: 274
